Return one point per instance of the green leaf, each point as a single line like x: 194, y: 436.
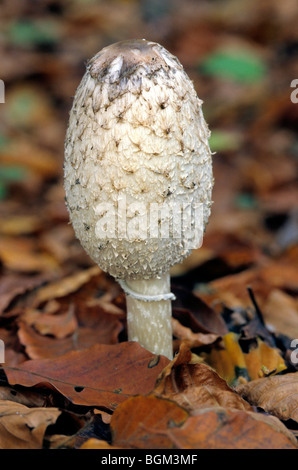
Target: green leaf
x: 27, y: 32
x: 12, y: 173
x: 241, y: 66
x: 221, y: 141
x: 246, y: 201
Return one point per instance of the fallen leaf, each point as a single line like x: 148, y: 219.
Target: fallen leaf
x: 219, y: 428
x: 263, y: 360
x: 196, y: 386
x: 106, y: 417
x: 140, y: 422
x: 38, y: 346
x: 20, y: 225
x: 13, y: 286
x: 101, y: 376
x: 193, y: 340
x: 23, y: 427
x: 232, y: 364
x: 194, y: 313
x: 65, y: 286
x: 25, y: 397
x: 19, y: 254
x: 281, y: 312
x: 58, y: 241
x: 232, y: 289
x: 59, y: 325
x: 277, y: 395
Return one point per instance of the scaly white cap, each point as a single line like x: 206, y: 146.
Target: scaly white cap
x: 136, y: 138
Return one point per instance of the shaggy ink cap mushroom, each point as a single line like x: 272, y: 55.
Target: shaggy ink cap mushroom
x: 137, y: 141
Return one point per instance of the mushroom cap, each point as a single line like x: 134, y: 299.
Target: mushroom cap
x: 137, y: 140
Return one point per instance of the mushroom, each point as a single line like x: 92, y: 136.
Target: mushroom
x: 138, y: 177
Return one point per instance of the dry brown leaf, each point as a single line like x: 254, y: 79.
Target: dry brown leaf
x: 23, y: 427
x: 219, y: 428
x: 106, y: 417
x: 141, y: 422
x: 106, y: 306
x: 194, y: 313
x: 34, y: 158
x: 277, y: 395
x: 281, y: 312
x: 25, y: 397
x: 19, y: 254
x: 65, y: 286
x: 13, y: 286
x: 232, y: 289
x: 101, y: 376
x: 193, y: 340
x: 20, y: 224
x: 58, y: 325
x: 58, y: 241
x: 60, y: 441
x: 196, y: 386
x: 37, y: 346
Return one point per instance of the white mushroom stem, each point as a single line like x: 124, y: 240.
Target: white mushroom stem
x: 149, y: 322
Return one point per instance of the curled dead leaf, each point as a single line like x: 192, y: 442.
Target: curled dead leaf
x: 193, y: 340
x: 277, y: 395
x: 23, y: 427
x: 58, y: 325
x: 196, y: 386
x: 194, y: 313
x: 38, y: 346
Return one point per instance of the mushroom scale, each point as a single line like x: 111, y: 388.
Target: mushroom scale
x: 136, y: 136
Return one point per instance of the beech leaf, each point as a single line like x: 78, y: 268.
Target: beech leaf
x: 22, y: 427
x: 141, y: 422
x: 219, y: 428
x: 277, y: 395
x: 196, y: 386
x: 102, y: 376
